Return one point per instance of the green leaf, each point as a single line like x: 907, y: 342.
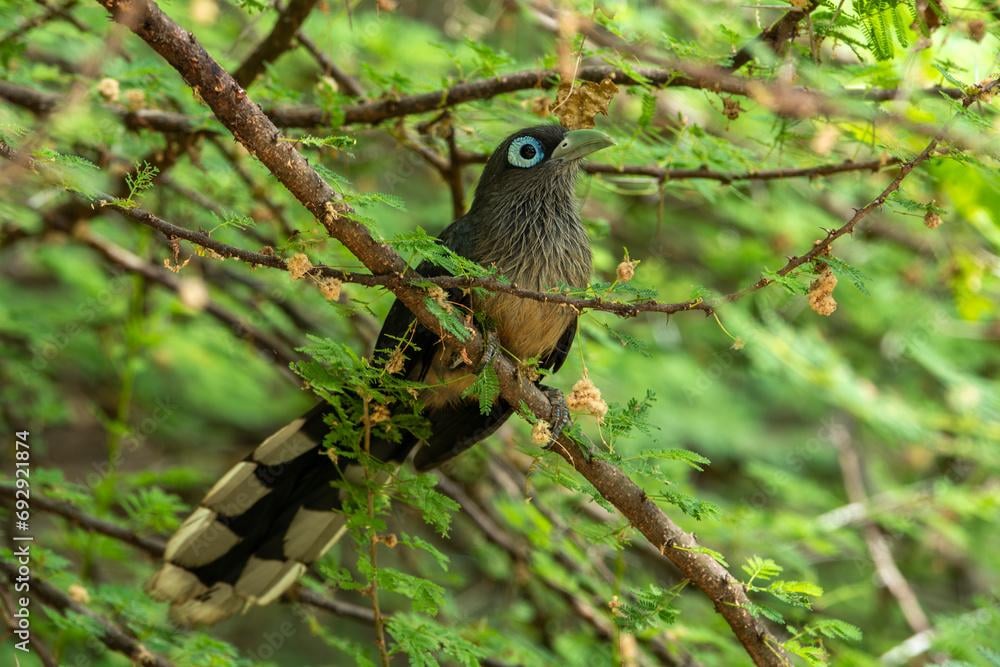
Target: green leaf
x: 712, y: 553
x: 845, y: 270
x: 692, y: 459
x: 760, y: 568
x: 647, y: 608
x: 797, y: 593
x: 419, y: 490
x: 449, y: 321
x: 690, y: 505
x: 486, y: 388
x: 832, y: 628
x: 426, y: 595
x: 760, y: 611
x: 415, y: 542
x: 791, y: 283
x: 140, y: 180
x: 424, y: 641
x: 154, y: 510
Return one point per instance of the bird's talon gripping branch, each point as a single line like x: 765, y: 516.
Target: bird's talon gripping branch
x: 559, y: 417
x: 491, y: 347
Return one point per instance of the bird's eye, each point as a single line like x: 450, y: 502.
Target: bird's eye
x: 525, y: 152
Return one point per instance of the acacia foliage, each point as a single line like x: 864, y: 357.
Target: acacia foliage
x: 741, y: 426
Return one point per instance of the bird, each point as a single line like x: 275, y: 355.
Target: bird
x: 276, y: 511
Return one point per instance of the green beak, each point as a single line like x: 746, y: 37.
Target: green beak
x: 577, y: 144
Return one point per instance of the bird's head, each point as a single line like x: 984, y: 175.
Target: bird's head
x: 536, y: 165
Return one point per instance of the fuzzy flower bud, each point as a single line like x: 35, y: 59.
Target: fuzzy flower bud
x: 330, y: 288
x: 135, y: 99
x: 541, y: 432
x: 78, y: 594
x: 821, y: 293
x: 109, y: 89
x: 395, y: 363
x: 379, y: 413
x: 298, y: 266
x: 932, y: 220
x: 586, y: 398
x: 626, y: 270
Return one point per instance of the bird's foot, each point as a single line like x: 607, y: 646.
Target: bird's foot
x: 559, y: 419
x: 491, y: 347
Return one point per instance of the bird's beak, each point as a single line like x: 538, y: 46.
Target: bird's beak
x: 577, y: 144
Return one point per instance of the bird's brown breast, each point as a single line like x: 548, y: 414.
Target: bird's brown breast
x: 527, y: 328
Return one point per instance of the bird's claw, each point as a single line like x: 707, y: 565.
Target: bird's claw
x: 491, y: 346
x: 559, y: 419
x: 559, y: 415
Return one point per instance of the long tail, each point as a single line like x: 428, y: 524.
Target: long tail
x: 257, y: 529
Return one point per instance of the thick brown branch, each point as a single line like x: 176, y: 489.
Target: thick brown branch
x: 662, y: 174
x: 35, y: 101
x: 276, y: 43
x: 780, y: 98
x: 794, y: 101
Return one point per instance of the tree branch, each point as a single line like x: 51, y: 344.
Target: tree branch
x: 776, y: 36
x: 276, y: 43
x: 51, y: 12
x: 263, y: 341
x: 35, y: 101
x: 878, y: 546
x: 822, y: 246
x: 347, y: 83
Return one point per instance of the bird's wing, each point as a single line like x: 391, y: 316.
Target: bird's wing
x: 554, y: 360
x: 456, y: 427
x: 400, y: 330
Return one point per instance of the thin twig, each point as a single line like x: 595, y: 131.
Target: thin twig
x: 373, y: 539
x: 347, y: 83
x: 878, y: 546
x: 265, y: 342
x: 51, y: 12
x: 38, y: 647
x: 822, y: 246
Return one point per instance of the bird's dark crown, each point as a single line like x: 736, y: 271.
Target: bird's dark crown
x: 537, y: 175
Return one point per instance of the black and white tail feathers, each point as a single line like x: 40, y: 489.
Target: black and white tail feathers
x: 258, y: 527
